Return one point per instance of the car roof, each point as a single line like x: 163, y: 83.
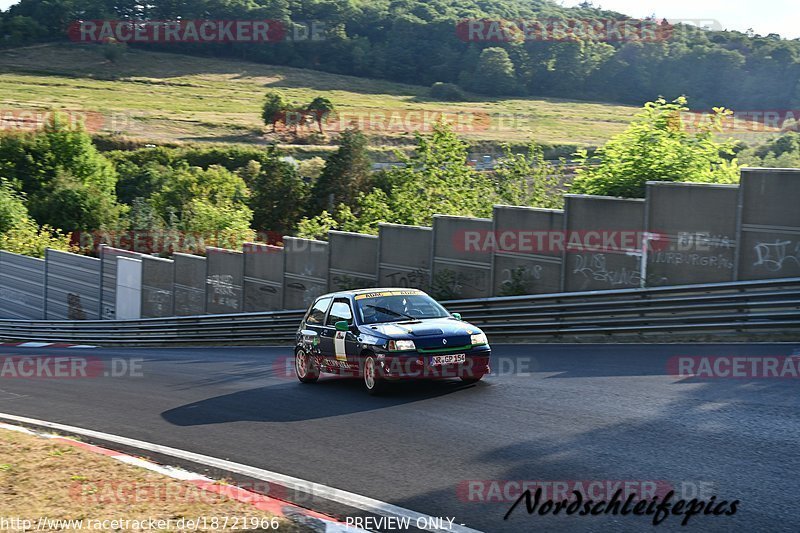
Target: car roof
x: 355, y: 292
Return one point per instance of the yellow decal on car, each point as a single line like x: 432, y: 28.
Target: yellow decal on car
x: 404, y: 292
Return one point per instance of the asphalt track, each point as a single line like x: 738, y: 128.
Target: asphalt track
x: 551, y: 413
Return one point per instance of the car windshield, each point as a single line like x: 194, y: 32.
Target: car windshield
x: 398, y: 308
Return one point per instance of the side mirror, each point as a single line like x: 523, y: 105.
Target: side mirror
x: 457, y: 316
x: 342, y: 325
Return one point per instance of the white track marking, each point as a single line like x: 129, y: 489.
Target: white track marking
x: 349, y: 499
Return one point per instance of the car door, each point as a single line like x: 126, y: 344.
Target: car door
x: 315, y: 322
x: 343, y: 342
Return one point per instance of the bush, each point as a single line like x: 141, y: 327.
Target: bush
x: 18, y: 233
x: 657, y: 146
x: 447, y: 91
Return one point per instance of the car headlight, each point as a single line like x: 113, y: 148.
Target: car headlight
x: 478, y: 338
x: 401, y: 346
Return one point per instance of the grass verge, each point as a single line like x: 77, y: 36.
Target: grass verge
x: 45, y: 479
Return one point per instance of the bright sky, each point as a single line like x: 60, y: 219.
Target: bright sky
x: 764, y: 16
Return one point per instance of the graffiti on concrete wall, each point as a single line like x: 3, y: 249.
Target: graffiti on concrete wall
x: 223, y: 290
x: 778, y: 255
x: 594, y: 267
x: 519, y: 280
x: 417, y: 278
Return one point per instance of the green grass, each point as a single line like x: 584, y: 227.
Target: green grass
x: 167, y: 98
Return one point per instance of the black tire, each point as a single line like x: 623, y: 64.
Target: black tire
x: 371, y: 376
x: 303, y: 367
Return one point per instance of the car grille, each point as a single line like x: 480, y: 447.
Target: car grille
x: 454, y: 343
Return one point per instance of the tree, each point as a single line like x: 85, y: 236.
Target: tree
x: 347, y: 173
x: 435, y: 180
x: 19, y: 233
x: 495, y: 73
x: 71, y: 204
x: 658, y: 146
x: 528, y: 179
x: 62, y: 174
x: 211, y: 203
x: 279, y: 194
x: 321, y: 108
x: 274, y: 109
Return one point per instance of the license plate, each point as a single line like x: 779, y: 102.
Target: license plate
x: 437, y: 360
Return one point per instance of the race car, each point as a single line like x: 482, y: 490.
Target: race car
x: 380, y: 335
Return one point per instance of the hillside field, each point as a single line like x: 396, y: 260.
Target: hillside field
x: 163, y: 97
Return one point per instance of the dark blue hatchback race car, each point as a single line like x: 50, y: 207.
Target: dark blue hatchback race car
x: 387, y: 334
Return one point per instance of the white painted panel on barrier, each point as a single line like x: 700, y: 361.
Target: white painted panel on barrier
x: 129, y: 288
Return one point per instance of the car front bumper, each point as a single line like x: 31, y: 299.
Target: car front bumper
x: 416, y: 365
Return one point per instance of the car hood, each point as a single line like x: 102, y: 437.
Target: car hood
x: 422, y: 329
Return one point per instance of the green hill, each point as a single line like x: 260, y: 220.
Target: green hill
x: 162, y: 97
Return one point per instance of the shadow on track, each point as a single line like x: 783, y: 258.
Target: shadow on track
x: 294, y: 402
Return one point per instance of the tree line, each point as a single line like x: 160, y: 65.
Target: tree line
x: 416, y: 41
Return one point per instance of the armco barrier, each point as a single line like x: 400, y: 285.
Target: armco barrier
x: 751, y: 307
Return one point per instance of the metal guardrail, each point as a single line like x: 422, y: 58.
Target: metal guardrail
x: 768, y: 306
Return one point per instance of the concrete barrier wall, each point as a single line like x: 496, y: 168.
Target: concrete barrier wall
x: 157, y: 287
x: 769, y: 219
x: 694, y: 233
x: 525, y: 260
x: 305, y: 271
x: 224, y: 281
x: 73, y: 286
x: 684, y: 233
x: 610, y: 256
x: 21, y: 286
x: 108, y: 297
x: 263, y: 277
x: 353, y: 260
x: 404, y: 256
x: 190, y: 284
x: 462, y: 262
x: 129, y: 288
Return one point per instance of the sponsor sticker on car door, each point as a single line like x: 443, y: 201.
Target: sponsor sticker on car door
x: 339, y: 346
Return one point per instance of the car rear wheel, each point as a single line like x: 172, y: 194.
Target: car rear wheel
x: 304, y: 367
x: 372, y: 379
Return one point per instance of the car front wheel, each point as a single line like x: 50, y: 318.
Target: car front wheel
x: 304, y: 367
x: 372, y: 379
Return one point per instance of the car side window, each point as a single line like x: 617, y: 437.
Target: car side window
x: 340, y: 311
x: 316, y: 315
